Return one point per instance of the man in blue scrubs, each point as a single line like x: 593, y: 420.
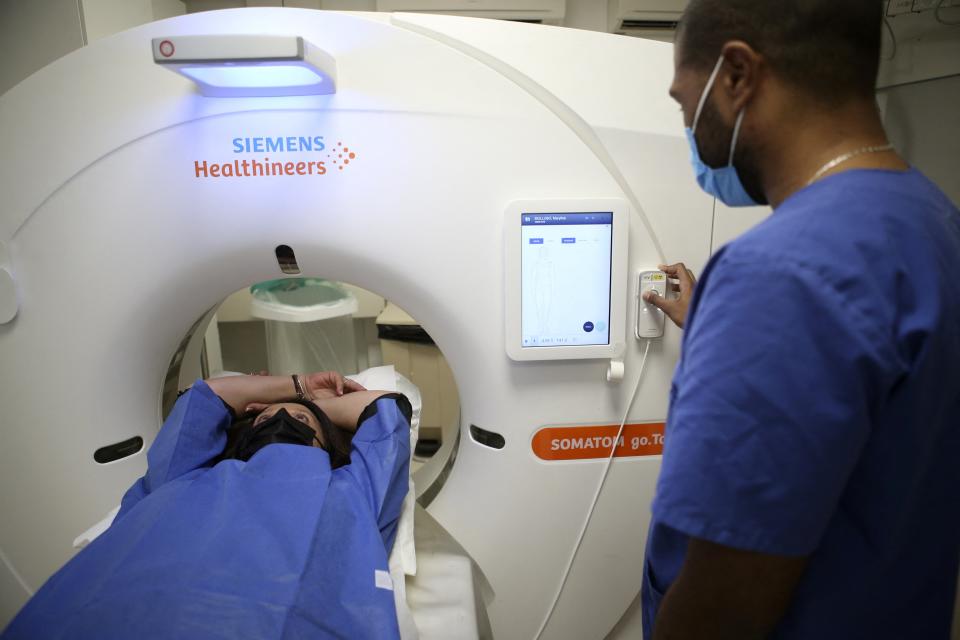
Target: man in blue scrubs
x: 285, y: 534
x: 810, y: 485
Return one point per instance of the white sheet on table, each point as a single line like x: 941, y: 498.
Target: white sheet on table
x: 93, y: 532
x: 449, y: 595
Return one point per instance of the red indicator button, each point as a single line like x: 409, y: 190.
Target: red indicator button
x: 166, y: 48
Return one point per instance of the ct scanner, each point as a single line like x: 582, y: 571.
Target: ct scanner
x: 113, y: 244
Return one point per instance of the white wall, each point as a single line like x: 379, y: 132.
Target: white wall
x: 34, y: 34
x: 923, y: 121
x: 587, y: 14
x: 342, y: 5
x: 105, y: 17
x: 581, y: 14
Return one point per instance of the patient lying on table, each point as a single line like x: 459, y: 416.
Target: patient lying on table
x: 279, y: 526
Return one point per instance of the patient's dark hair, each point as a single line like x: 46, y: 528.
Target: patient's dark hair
x: 830, y: 50
x: 336, y: 440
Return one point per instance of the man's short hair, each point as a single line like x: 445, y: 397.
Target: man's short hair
x: 827, y: 48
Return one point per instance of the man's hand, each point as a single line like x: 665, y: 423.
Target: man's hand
x: 681, y: 282
x: 328, y: 384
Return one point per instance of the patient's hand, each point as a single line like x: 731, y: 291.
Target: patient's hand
x: 328, y: 384
x: 345, y: 411
x: 256, y: 392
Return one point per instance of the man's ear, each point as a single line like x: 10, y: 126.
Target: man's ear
x: 740, y: 75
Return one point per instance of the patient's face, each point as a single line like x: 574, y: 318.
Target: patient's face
x: 296, y: 411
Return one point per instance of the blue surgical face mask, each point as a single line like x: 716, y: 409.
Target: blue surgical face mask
x: 724, y: 183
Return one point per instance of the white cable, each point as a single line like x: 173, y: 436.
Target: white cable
x: 596, y: 496
x: 941, y: 19
x: 893, y: 39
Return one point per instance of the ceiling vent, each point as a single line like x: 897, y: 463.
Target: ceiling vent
x: 655, y: 19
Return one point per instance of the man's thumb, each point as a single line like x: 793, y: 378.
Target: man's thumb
x: 656, y: 300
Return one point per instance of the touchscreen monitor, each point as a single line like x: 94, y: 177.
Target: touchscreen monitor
x: 566, y: 261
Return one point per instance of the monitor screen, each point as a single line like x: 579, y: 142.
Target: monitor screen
x: 565, y: 288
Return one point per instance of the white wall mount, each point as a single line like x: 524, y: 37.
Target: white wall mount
x: 615, y: 370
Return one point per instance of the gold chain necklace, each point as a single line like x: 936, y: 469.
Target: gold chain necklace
x: 848, y: 156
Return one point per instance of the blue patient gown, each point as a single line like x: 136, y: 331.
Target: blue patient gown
x: 278, y: 547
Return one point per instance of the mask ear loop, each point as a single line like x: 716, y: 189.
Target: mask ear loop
x: 736, y: 136
x: 706, y: 93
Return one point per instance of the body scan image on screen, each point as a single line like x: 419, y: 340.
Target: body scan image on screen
x: 565, y: 286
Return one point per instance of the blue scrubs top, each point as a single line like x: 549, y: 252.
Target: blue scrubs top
x: 816, y: 409
x: 280, y: 546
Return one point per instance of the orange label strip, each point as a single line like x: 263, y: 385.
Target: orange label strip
x: 591, y: 442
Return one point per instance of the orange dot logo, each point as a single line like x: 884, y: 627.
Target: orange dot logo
x: 340, y: 155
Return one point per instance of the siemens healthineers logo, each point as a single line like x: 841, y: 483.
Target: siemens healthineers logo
x: 315, y: 158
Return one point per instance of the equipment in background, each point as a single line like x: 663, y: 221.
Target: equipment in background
x: 400, y: 182
x: 414, y: 354
x: 309, y: 325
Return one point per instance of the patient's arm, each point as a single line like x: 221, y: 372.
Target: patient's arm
x: 329, y: 384
x: 345, y: 410
x: 240, y: 392
x: 256, y: 392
